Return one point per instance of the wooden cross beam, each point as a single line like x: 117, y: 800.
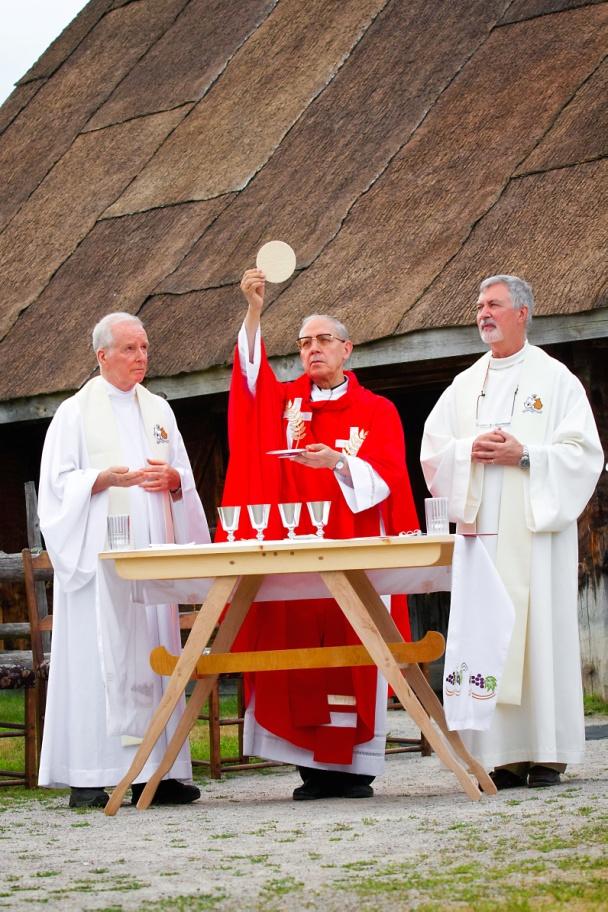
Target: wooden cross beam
x: 428, y: 649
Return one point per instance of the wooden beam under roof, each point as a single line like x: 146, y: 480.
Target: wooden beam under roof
x: 421, y: 357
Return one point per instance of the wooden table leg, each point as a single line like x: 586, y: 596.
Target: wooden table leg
x: 351, y: 603
x: 427, y: 696
x: 202, y: 629
x: 242, y: 598
x: 425, y: 748
x: 416, y: 677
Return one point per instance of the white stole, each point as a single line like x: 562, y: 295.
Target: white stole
x: 514, y: 545
x: 103, y: 442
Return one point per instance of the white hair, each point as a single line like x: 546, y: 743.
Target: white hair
x: 103, y: 335
x: 520, y: 291
x: 339, y: 328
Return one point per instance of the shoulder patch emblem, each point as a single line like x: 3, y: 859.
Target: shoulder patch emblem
x: 533, y: 404
x: 160, y: 434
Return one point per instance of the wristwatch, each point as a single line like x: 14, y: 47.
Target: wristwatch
x: 339, y: 465
x: 524, y: 462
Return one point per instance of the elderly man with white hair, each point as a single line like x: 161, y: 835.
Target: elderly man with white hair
x: 513, y: 445
x: 113, y: 448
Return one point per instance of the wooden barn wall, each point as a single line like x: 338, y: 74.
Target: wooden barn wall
x: 414, y: 388
x: 592, y: 368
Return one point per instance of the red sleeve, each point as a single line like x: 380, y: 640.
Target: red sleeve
x: 254, y: 427
x: 384, y: 449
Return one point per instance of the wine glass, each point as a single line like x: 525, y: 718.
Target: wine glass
x: 319, y: 514
x: 229, y: 518
x: 290, y: 517
x: 258, y: 516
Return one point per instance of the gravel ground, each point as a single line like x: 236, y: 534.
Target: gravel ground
x: 419, y: 843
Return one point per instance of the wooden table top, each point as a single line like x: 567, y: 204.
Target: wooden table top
x: 305, y: 555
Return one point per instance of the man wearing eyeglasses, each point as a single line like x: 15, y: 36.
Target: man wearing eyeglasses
x: 351, y: 452
x: 513, y: 445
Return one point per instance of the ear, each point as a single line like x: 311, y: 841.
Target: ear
x: 348, y: 346
x: 101, y: 357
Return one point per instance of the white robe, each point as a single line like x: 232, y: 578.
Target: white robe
x: 76, y: 749
x: 548, y: 725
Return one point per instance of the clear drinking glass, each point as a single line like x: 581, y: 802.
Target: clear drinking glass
x: 229, y: 518
x: 119, y: 532
x: 258, y: 516
x: 436, y: 512
x: 290, y: 517
x: 319, y: 514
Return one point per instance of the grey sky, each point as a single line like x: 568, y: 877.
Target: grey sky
x: 27, y: 27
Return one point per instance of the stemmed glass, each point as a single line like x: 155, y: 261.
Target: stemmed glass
x: 290, y: 517
x: 258, y: 516
x: 229, y: 518
x: 319, y: 514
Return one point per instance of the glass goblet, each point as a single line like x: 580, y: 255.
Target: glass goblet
x: 258, y: 516
x: 319, y: 514
x: 229, y: 518
x: 290, y: 517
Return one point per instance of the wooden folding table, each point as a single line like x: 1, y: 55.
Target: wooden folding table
x: 236, y: 573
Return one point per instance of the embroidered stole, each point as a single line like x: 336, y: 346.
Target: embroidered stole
x: 514, y: 545
x: 103, y: 443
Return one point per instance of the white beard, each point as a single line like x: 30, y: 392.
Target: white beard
x: 491, y: 334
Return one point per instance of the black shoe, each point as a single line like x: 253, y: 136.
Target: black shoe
x: 505, y: 779
x: 358, y: 791
x: 310, y: 791
x: 169, y: 791
x: 542, y: 777
x: 88, y: 798
x: 332, y: 786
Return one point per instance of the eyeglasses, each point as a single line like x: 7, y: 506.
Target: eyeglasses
x: 323, y: 339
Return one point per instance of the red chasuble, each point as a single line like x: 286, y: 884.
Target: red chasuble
x: 295, y: 705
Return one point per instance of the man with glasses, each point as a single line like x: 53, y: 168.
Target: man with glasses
x: 350, y: 452
x: 513, y: 445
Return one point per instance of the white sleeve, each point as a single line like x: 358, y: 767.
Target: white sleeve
x: 250, y: 369
x: 446, y: 462
x: 564, y: 472
x: 367, y: 489
x: 72, y: 520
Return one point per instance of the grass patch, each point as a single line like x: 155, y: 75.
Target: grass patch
x: 279, y: 886
x: 12, y: 750
x: 11, y: 705
x: 199, y: 902
x: 229, y: 735
x: 524, y: 886
x: 595, y: 704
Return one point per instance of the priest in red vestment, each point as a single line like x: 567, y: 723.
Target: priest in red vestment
x: 328, y: 722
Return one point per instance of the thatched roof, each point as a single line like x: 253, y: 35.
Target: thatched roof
x: 404, y: 149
